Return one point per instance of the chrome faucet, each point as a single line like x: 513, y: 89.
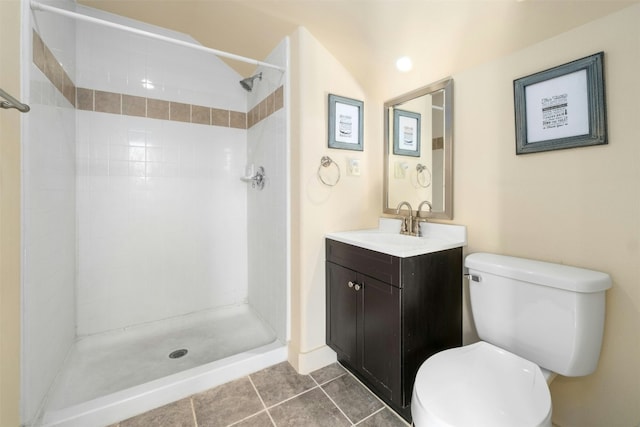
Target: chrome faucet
x: 419, y: 219
x: 407, y: 222
x: 426, y: 202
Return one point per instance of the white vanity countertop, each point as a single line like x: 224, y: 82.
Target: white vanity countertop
x: 387, y: 238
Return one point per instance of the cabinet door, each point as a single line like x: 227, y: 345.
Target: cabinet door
x: 379, y: 325
x: 341, y: 311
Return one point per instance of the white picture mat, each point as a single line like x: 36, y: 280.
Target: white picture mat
x: 567, y: 108
x: 404, y: 143
x: 353, y: 114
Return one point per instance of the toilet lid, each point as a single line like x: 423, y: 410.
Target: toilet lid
x: 481, y: 385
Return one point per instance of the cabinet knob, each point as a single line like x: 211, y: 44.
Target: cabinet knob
x: 357, y: 287
x: 350, y: 284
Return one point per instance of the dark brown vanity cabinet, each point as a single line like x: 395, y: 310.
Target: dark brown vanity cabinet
x: 386, y: 315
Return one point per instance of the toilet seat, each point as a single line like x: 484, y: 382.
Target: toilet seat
x: 480, y: 385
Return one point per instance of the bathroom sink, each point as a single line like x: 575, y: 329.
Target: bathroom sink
x: 387, y: 238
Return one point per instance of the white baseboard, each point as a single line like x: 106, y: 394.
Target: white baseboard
x: 308, y: 362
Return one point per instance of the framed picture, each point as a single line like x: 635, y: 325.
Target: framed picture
x: 563, y: 107
x: 345, y: 123
x: 406, y: 133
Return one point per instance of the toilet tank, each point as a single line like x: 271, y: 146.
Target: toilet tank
x: 550, y: 314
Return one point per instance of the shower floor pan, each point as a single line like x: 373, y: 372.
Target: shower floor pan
x: 111, y: 376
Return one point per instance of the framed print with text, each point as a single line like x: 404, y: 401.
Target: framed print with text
x: 563, y: 107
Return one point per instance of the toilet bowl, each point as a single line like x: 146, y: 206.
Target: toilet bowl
x: 480, y: 385
x: 534, y: 320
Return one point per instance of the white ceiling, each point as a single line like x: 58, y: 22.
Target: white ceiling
x: 367, y: 36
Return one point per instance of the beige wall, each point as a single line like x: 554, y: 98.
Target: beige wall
x: 10, y: 218
x: 355, y: 202
x: 579, y: 206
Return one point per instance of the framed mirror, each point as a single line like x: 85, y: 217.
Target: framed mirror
x: 418, y: 161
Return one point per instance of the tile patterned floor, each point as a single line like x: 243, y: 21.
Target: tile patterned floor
x: 277, y: 396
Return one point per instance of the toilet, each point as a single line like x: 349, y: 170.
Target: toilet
x: 534, y: 320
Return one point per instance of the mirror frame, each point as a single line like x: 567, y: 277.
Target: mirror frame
x: 446, y: 85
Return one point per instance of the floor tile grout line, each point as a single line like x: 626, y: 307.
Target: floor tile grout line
x: 267, y: 408
x: 332, y: 401
x: 384, y: 404
x: 257, y: 392
x: 370, y: 415
x: 368, y: 389
x: 292, y: 397
x: 235, y: 423
x: 261, y: 400
x: 193, y: 412
x: 328, y: 381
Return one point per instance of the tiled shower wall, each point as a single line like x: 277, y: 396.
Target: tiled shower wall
x: 49, y: 204
x: 134, y: 210
x: 157, y: 203
x: 157, y: 198
x: 267, y: 209
x: 162, y: 213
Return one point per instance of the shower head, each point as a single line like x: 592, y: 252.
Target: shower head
x: 247, y: 84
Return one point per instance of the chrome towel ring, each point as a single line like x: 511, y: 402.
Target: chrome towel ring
x: 425, y: 173
x: 325, y: 162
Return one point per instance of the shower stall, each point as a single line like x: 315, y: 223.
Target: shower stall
x: 155, y: 217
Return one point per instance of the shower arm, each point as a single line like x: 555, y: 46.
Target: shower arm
x: 46, y: 8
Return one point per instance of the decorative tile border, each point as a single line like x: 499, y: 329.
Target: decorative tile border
x: 129, y: 105
x: 117, y: 103
x: 268, y: 106
x: 44, y: 59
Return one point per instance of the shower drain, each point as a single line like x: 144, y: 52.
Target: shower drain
x: 178, y: 353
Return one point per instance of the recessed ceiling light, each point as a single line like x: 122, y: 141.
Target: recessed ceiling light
x: 147, y: 84
x: 404, y: 64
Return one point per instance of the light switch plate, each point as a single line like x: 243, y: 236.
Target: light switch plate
x: 400, y: 170
x: 353, y: 167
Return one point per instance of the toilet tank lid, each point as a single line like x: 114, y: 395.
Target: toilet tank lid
x: 542, y: 273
